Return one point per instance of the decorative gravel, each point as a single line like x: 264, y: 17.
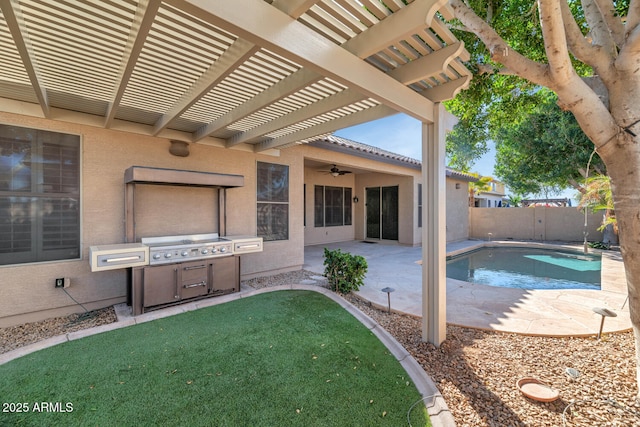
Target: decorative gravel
x: 18, y: 336
x: 476, y: 371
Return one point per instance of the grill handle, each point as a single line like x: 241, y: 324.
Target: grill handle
x: 248, y: 246
x: 195, y: 285
x: 175, y: 280
x: 195, y: 267
x: 122, y: 259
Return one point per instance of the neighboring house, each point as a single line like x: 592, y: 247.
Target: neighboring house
x: 493, y: 198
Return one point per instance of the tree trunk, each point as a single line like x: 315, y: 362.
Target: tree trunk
x: 622, y: 157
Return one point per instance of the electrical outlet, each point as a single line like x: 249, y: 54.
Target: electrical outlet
x: 63, y: 282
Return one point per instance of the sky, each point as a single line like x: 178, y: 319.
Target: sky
x: 402, y: 134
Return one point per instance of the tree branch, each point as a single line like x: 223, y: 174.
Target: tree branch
x: 573, y: 92
x: 596, y: 84
x: 580, y: 47
x: 499, y: 49
x: 627, y: 59
x: 555, y: 41
x: 599, y: 31
x: 633, y: 17
x: 613, y: 22
x: 577, y: 42
x: 490, y: 69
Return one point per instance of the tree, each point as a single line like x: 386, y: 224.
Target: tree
x: 597, y: 197
x: 466, y: 143
x: 588, y: 54
x: 482, y: 185
x: 546, y: 148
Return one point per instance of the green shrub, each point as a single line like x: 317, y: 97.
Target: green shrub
x: 344, y: 271
x: 600, y: 245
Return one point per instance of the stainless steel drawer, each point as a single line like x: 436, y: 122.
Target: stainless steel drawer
x: 111, y: 257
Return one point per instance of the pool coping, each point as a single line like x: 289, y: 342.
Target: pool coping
x: 556, y: 313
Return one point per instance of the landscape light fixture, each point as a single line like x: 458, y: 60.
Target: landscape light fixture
x: 388, y: 291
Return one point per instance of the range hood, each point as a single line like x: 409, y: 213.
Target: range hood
x: 159, y: 176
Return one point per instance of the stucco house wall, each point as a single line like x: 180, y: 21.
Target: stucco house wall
x: 457, y: 210
x: 160, y: 210
x: 29, y: 289
x: 315, y: 235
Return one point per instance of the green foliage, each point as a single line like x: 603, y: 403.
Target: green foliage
x: 465, y: 143
x: 515, y: 200
x: 495, y: 100
x: 344, y: 271
x: 599, y: 197
x: 547, y: 149
x: 600, y: 245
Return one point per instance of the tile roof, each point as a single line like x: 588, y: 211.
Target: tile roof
x: 379, y: 154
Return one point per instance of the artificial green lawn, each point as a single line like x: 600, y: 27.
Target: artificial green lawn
x: 287, y: 358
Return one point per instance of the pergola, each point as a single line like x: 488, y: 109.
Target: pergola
x: 244, y: 74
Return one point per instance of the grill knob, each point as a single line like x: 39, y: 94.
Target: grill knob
x: 214, y: 250
x: 184, y: 253
x: 167, y: 255
x: 156, y: 256
x: 223, y: 249
x: 205, y: 251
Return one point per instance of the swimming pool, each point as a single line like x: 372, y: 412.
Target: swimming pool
x: 527, y: 268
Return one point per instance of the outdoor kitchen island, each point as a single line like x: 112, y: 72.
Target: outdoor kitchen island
x: 173, y: 269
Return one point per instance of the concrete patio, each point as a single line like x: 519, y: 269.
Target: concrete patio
x: 533, y: 312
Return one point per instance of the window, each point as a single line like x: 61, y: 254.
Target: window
x: 332, y: 206
x: 273, y: 201
x: 39, y: 195
x: 419, y: 205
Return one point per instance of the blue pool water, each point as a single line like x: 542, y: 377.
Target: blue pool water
x: 527, y: 268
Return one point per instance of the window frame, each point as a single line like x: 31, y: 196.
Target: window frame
x: 273, y: 201
x: 321, y: 208
x: 42, y: 201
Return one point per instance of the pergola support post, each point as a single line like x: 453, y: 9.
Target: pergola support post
x: 434, y: 281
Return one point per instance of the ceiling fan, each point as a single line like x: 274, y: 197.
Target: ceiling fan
x: 334, y: 171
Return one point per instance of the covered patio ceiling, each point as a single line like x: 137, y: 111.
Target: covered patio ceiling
x: 252, y: 74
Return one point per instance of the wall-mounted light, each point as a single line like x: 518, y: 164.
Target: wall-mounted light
x: 355, y: 199
x: 457, y: 185
x: 179, y: 148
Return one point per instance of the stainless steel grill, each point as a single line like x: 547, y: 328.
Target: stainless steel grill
x: 172, y: 249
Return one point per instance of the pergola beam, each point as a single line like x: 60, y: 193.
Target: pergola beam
x: 282, y: 89
x: 230, y: 59
x: 294, y: 8
x: 447, y: 90
x: 13, y: 17
x: 401, y: 25
x: 268, y: 27
x: 330, y: 103
x: 145, y: 15
x: 428, y: 65
x: 370, y: 114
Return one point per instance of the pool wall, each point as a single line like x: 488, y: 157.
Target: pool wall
x: 539, y: 223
